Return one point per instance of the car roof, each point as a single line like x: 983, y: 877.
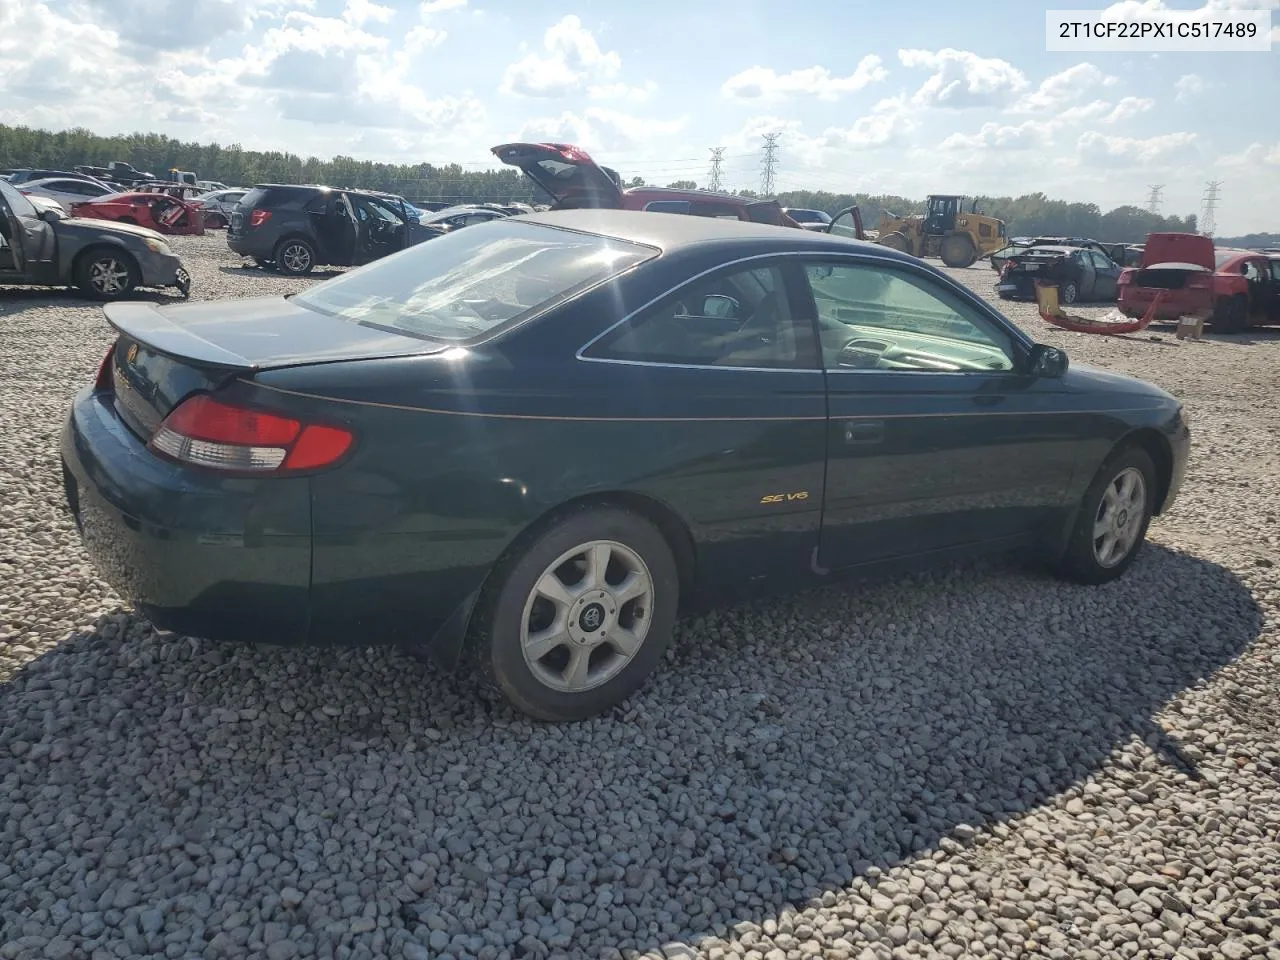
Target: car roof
x: 1050, y: 248
x: 673, y: 231
x: 677, y: 193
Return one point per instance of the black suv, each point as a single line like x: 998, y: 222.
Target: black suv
x: 294, y: 228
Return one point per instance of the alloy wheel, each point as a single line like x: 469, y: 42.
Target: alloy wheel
x: 587, y: 616
x: 1120, y: 516
x: 296, y: 258
x: 109, y: 276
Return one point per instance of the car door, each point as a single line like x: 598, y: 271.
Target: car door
x: 937, y: 438
x: 30, y: 241
x: 728, y: 354
x: 1079, y: 268
x: 1106, y: 276
x: 847, y: 223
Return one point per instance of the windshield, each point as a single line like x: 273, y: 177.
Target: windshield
x: 1222, y: 256
x: 466, y: 284
x: 18, y: 204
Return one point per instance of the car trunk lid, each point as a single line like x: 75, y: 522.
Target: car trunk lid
x: 1178, y: 248
x: 166, y: 353
x: 565, y: 172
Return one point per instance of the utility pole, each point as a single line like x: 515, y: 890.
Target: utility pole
x: 1209, y: 208
x: 1153, y: 198
x: 717, y: 158
x: 769, y: 166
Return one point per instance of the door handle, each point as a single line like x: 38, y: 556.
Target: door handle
x: 864, y: 431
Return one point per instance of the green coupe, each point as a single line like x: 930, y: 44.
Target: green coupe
x: 525, y: 446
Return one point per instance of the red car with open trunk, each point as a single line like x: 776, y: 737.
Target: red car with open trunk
x: 575, y: 181
x: 155, y: 211
x: 1232, y: 289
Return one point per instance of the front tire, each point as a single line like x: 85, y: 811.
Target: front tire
x: 576, y: 621
x: 107, y: 274
x: 1069, y: 292
x: 295, y: 258
x: 896, y: 241
x: 957, y: 251
x: 1114, y: 515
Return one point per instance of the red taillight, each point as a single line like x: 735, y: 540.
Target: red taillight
x: 103, y: 379
x: 209, y: 433
x: 259, y: 217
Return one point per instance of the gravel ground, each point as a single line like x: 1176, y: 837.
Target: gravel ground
x: 979, y: 762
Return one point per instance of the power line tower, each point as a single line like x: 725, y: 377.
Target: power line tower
x: 769, y: 166
x: 717, y: 158
x: 1209, y: 208
x: 1153, y: 198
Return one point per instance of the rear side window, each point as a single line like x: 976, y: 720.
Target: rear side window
x: 267, y: 197
x: 468, y: 284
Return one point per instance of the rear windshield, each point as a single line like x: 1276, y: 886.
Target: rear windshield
x: 466, y: 284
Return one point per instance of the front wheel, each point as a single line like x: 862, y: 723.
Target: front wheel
x: 295, y: 257
x: 957, y: 251
x: 1069, y: 292
x: 896, y: 241
x: 107, y: 274
x: 577, y: 621
x: 1114, y: 515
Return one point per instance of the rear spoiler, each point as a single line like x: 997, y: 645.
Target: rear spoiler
x: 145, y: 323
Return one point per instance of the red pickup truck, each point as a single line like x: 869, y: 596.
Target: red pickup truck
x: 575, y: 181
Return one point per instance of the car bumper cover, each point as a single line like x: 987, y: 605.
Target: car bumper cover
x: 198, y: 553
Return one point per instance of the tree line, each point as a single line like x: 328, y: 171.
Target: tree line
x: 1032, y: 214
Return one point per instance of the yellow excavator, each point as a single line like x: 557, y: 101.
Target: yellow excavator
x: 945, y: 230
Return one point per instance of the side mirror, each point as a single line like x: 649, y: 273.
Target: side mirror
x: 719, y: 306
x: 1047, y: 361
x: 49, y: 215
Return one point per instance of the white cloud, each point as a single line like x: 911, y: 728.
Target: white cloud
x: 1188, y: 86
x: 1128, y: 108
x: 1254, y: 155
x: 764, y: 83
x: 598, y: 129
x: 572, y: 59
x: 429, y: 7
x: 622, y: 91
x: 1062, y: 89
x: 1109, y: 151
x: 963, y: 79
x: 360, y: 12
x: 888, y: 124
x: 998, y: 136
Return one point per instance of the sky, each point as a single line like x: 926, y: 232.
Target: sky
x: 867, y: 97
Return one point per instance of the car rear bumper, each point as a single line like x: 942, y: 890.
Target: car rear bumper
x: 1135, y: 301
x: 249, y: 244
x: 198, y: 553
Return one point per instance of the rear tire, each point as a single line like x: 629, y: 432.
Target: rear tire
x: 895, y: 241
x: 1113, y: 519
x: 958, y: 251
x: 295, y: 257
x: 106, y: 273
x: 1230, y: 315
x: 577, y: 620
x: 1068, y: 292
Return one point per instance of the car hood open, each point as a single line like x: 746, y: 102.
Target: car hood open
x: 1179, y: 248
x: 564, y: 171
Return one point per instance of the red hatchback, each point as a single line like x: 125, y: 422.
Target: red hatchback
x: 156, y: 211
x: 576, y: 181
x: 1233, y: 289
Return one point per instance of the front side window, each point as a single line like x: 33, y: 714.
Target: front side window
x: 879, y: 318
x: 1101, y: 262
x: 739, y: 318
x: 17, y: 203
x: 844, y: 225
x: 467, y: 284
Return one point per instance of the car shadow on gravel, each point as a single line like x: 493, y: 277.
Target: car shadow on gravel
x: 240, y: 270
x: 785, y: 749
x: 14, y: 300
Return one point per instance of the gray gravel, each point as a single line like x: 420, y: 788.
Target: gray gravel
x: 979, y: 762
